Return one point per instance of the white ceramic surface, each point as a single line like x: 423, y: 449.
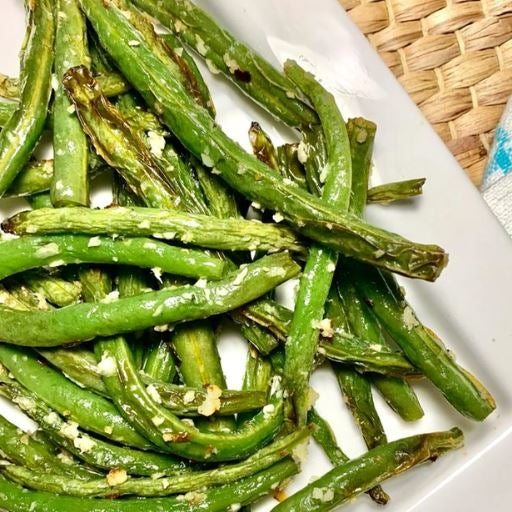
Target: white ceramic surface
x: 469, y: 306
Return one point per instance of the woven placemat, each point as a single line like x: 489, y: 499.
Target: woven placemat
x: 454, y: 57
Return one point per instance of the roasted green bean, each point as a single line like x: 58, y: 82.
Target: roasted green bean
x: 348, y: 480
x: 223, y: 53
x: 396, y: 191
x: 320, y: 265
x: 28, y: 252
x: 151, y: 487
x: 86, y: 408
x: 92, y: 450
x: 195, y: 129
x: 21, y: 133
x: 35, y: 451
x: 421, y: 346
x: 70, y: 185
x: 202, y: 230
x: 215, y: 499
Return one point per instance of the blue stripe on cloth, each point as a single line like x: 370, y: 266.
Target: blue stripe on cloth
x: 497, y: 182
x: 500, y: 157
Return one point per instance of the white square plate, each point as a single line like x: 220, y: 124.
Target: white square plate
x: 469, y: 306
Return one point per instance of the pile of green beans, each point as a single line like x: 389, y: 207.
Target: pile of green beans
x: 110, y: 317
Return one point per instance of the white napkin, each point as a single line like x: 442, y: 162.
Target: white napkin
x: 497, y: 182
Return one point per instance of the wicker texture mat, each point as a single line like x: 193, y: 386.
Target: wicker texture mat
x: 454, y: 57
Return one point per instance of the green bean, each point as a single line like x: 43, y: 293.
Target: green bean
x: 21, y: 133
x: 158, y: 361
x: 290, y: 166
x: 116, y: 142
x: 364, y: 357
x: 122, y: 195
x: 111, y: 83
x: 77, y: 364
x: 400, y: 396
x: 324, y: 436
x: 345, y: 482
x: 313, y: 153
x: 371, y: 359
x: 319, y: 270
x: 190, y: 68
x: 165, y: 430
x: 109, y: 350
x: 94, y: 281
x: 92, y: 450
x: 137, y: 350
x: 185, y: 401
x: 85, y: 321
x: 16, y: 295
x: 271, y: 315
x: 243, y: 172
x: 221, y: 200
x: 130, y: 281
x: 169, y: 58
x: 183, y: 176
x: 198, y: 339
x: 262, y: 146
x: 342, y: 347
x: 216, y: 499
x: 247, y: 70
x: 362, y: 137
x: 70, y: 185
x: 277, y: 361
x: 81, y: 366
x: 257, y: 377
x: 41, y: 200
x: 141, y: 406
x: 396, y: 191
x: 7, y: 109
x: 20, y: 254
x: 397, y: 392
x: 11, y: 301
x: 54, y: 289
x: 149, y: 487
x: 200, y: 230
x: 358, y: 397
x: 35, y: 177
x: 258, y: 372
x: 196, y: 342
x: 100, y: 61
x: 356, y: 388
x: 140, y: 119
x: 35, y: 451
x: 421, y: 346
x: 86, y: 408
x: 262, y: 339
x: 195, y: 346
x: 122, y: 147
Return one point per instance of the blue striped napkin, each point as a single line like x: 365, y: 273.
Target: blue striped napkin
x: 497, y: 182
